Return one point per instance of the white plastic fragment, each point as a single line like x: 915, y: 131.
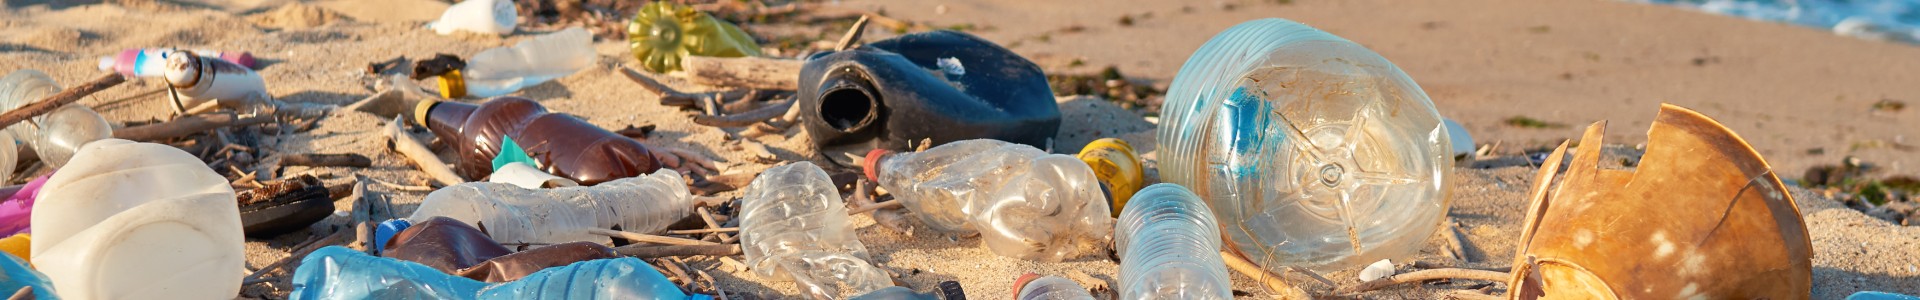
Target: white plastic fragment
x: 1462, y: 142
x: 1377, y: 270
x: 479, y: 16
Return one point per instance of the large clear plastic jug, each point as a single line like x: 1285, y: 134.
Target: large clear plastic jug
x: 1312, y: 150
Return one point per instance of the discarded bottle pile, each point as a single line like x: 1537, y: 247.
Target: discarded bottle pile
x: 1282, y: 148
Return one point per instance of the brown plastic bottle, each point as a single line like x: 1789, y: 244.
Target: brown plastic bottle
x: 561, y: 144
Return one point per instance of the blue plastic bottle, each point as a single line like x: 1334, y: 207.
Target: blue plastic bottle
x: 341, y: 273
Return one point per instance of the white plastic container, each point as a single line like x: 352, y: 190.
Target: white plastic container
x: 499, y: 71
x: 512, y: 214
x: 793, y: 226
x: 1312, y: 150
x: 1025, y: 203
x: 56, y: 135
x: 478, y: 16
x: 1169, y: 247
x: 127, y: 220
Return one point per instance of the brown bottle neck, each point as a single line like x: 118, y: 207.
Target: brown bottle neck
x: 445, y: 118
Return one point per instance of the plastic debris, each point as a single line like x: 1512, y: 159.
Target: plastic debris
x: 1701, y: 215
x: 1377, y: 270
x: 1462, y: 142
x: 893, y: 92
x: 443, y: 244
x: 1169, y: 247
x: 496, y: 17
x: 1114, y: 163
x: 1312, y: 150
x: 1025, y: 203
x: 152, y: 62
x: 1034, y: 287
x: 525, y: 176
x: 569, y: 147
x: 513, y: 214
x: 336, y: 272
x: 19, y: 275
x: 55, y: 136
x: 195, y: 81
x: 793, y: 226
x: 663, y: 34
x: 19, y: 245
x: 124, y: 212
x: 16, y: 213
x: 500, y: 71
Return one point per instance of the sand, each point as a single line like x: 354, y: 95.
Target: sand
x: 1785, y: 89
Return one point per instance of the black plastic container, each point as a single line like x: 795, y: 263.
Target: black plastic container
x: 893, y: 92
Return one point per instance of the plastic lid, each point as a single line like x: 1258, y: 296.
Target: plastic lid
x: 872, y: 162
x: 1020, y: 283
x: 386, y: 231
x: 420, y: 111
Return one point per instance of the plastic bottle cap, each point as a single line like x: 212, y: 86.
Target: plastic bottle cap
x: 872, y: 162
x: 452, y: 85
x: 420, y: 111
x: 1021, y: 283
x: 386, y: 230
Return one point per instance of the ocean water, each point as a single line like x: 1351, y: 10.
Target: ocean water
x: 1881, y: 20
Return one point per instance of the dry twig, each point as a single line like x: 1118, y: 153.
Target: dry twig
x: 400, y: 141
x: 1425, y: 275
x: 74, y: 94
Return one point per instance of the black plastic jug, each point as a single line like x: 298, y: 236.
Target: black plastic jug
x: 944, y: 86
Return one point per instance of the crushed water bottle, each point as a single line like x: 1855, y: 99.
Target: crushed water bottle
x: 512, y: 214
x: 1169, y: 247
x: 1025, y: 203
x: 337, y: 272
x: 503, y: 70
x: 793, y: 225
x: 57, y: 135
x: 1312, y: 150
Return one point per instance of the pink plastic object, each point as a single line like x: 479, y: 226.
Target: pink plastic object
x: 16, y: 214
x: 151, y: 62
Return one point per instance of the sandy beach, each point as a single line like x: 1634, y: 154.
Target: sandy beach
x: 1802, y: 97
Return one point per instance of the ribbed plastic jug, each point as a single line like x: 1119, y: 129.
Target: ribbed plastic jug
x: 512, y: 214
x: 793, y: 225
x: 129, y: 220
x: 1312, y: 150
x: 1169, y: 247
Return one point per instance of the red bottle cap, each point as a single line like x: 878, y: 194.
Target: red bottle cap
x: 872, y: 162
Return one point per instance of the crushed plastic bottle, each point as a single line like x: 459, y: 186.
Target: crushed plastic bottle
x: 1312, y: 150
x: 337, y: 272
x: 17, y: 274
x: 56, y: 135
x: 793, y: 226
x: 478, y: 16
x: 152, y: 62
x: 131, y: 220
x: 1025, y: 203
x: 1169, y: 247
x: 499, y: 71
x: 663, y: 34
x: 893, y: 92
x: 568, y: 146
x: 513, y: 214
x: 1035, y: 287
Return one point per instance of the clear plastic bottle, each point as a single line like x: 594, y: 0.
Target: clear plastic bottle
x: 512, y: 214
x: 1049, y: 288
x: 129, y: 220
x: 503, y: 70
x: 1169, y: 247
x: 56, y: 135
x: 1026, y: 203
x: 1312, y: 150
x: 337, y: 272
x: 793, y: 225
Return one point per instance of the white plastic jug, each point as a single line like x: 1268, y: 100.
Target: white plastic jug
x: 127, y: 220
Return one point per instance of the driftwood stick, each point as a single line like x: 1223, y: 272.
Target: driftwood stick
x: 647, y: 238
x: 744, y: 72
x: 1456, y: 246
x: 874, y: 207
x: 705, y: 230
x: 73, y: 94
x: 400, y: 141
x: 1271, y: 280
x: 1425, y: 275
x: 889, y: 217
x: 326, y: 160
x: 673, y: 97
x: 706, y: 216
x: 853, y: 35
x: 745, y: 118
x: 187, y: 125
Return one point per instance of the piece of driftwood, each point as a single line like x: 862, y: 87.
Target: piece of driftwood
x: 188, y: 125
x: 746, y: 118
x: 647, y: 238
x: 677, y: 250
x: 673, y: 97
x: 705, y: 230
x: 401, y: 142
x: 744, y: 72
x: 1456, y: 245
x: 74, y: 94
x: 1425, y: 275
x: 326, y: 160
x: 853, y: 34
x: 711, y: 185
x: 890, y: 216
x: 1269, y: 279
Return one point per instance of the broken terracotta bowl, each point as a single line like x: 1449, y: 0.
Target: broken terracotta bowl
x: 1701, y: 216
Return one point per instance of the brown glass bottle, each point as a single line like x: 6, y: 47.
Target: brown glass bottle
x: 562, y: 145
